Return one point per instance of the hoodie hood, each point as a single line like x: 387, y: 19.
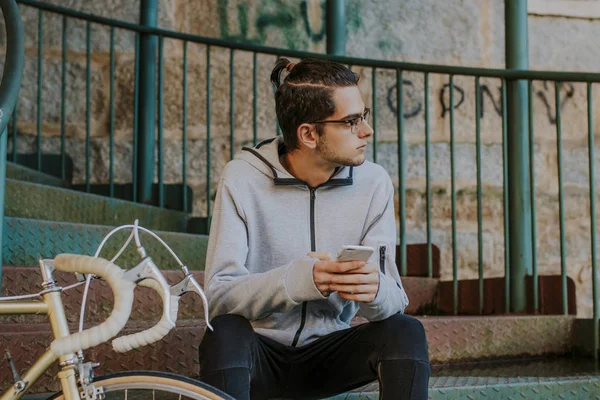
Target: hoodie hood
x: 265, y: 158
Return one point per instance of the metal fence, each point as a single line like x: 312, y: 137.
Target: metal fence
x: 506, y: 77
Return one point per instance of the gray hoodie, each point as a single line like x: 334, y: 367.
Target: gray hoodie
x: 265, y: 222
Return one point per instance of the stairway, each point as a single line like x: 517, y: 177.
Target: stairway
x: 472, y: 356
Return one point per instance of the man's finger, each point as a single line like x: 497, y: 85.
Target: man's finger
x: 341, y: 267
x: 354, y: 289
x: 361, y: 298
x: 322, y: 278
x: 354, y: 279
x: 366, y: 269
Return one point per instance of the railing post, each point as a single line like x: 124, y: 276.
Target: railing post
x: 147, y: 103
x: 336, y: 27
x: 9, y: 91
x: 517, y: 57
x: 3, y: 141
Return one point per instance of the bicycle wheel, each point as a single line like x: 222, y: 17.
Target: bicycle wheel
x: 152, y: 385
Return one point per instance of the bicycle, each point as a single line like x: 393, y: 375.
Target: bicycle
x: 76, y: 376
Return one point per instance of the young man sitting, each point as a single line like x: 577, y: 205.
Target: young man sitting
x: 280, y: 305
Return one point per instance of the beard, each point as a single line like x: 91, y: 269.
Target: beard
x: 328, y: 153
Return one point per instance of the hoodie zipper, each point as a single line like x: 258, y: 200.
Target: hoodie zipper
x: 313, y: 246
x: 382, y: 250
x: 313, y: 196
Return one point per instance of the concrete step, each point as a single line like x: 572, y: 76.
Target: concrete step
x: 21, y: 173
x: 43, y: 202
x: 26, y: 240
x: 451, y: 340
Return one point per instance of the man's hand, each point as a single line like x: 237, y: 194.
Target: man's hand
x: 353, y: 280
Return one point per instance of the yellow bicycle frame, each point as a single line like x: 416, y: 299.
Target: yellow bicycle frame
x: 52, y: 306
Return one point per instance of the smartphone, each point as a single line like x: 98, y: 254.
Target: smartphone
x: 354, y: 253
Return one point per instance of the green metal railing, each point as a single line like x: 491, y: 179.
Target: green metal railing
x: 517, y: 132
x: 9, y: 88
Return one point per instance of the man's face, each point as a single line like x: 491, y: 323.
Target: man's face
x: 337, y: 144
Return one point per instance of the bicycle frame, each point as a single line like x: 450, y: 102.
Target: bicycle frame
x: 74, y: 373
x: 51, y: 305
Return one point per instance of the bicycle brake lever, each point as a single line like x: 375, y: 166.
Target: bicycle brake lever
x: 189, y: 284
x: 148, y: 269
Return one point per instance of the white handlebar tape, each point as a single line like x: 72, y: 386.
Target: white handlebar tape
x: 154, y: 334
x: 123, y: 301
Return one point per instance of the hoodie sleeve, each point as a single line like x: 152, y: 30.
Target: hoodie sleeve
x: 381, y: 235
x: 229, y: 286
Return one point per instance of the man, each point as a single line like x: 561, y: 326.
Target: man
x: 281, y: 307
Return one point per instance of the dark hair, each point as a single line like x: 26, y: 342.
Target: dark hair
x: 306, y: 93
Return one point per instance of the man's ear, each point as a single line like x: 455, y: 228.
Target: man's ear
x: 307, y: 136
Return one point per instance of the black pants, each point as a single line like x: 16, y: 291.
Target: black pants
x: 247, y: 365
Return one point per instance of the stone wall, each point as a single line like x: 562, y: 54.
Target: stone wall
x: 454, y: 32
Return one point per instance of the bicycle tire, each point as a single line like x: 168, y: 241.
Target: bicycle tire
x: 136, y: 385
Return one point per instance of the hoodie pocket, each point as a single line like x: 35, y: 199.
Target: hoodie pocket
x: 382, y: 250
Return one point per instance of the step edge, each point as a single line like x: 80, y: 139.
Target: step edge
x: 35, y: 173
x: 98, y: 197
x: 95, y: 226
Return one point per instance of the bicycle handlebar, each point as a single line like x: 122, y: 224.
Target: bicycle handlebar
x: 158, y: 331
x: 123, y: 302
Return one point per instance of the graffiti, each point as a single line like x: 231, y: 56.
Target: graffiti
x: 291, y: 21
x: 315, y: 37
x: 280, y: 19
x: 415, y: 105
x: 446, y: 106
x: 569, y: 91
x: 485, y: 90
x: 413, y: 102
x: 242, y: 9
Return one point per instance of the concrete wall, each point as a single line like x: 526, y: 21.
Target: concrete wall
x: 455, y: 32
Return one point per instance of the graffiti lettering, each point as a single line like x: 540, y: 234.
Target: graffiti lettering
x: 281, y: 19
x: 413, y: 103
x: 569, y: 91
x: 484, y: 90
x: 315, y: 37
x: 242, y: 8
x: 284, y: 19
x: 446, y: 107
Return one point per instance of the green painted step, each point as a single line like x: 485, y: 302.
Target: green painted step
x: 38, y: 201
x: 19, y: 172
x: 27, y: 240
x: 548, y: 378
x: 467, y: 388
x: 543, y: 379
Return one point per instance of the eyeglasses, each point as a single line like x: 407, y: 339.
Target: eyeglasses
x: 352, y: 123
